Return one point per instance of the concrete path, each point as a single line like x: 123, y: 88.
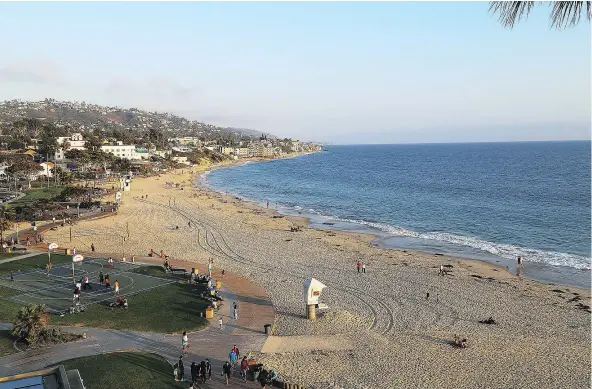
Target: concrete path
x: 30, y: 253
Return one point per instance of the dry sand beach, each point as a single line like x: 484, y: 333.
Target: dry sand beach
x: 397, y: 337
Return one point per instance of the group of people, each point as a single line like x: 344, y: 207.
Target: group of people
x: 105, y: 280
x: 361, y: 266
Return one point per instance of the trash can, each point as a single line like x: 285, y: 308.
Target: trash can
x: 67, y: 252
x: 267, y: 329
x: 209, y: 313
x: 218, y: 284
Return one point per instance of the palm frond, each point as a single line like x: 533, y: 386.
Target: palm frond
x: 568, y: 13
x: 511, y: 12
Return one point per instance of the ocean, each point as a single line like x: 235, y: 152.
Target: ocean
x: 487, y: 201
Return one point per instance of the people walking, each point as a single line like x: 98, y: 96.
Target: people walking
x: 358, y: 265
x: 226, y: 370
x: 92, y: 247
x: 181, y: 375
x: 363, y: 268
x: 209, y: 369
x: 203, y: 371
x: 235, y: 311
x: 185, y: 342
x: 244, y: 367
x: 116, y: 284
x: 220, y: 322
x: 194, y: 372
x: 101, y: 278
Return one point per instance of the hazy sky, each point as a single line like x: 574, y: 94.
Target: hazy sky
x: 334, y: 72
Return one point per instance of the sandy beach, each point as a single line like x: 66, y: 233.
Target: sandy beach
x: 398, y: 334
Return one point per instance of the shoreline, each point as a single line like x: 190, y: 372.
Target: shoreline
x: 509, y: 268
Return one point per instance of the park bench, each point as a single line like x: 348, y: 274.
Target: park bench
x: 178, y: 270
x: 23, y: 249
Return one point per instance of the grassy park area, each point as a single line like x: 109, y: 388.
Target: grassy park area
x: 6, y: 340
x: 125, y: 370
x: 33, y: 195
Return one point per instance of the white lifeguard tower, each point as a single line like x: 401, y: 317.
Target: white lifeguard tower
x: 312, y: 292
x: 125, y: 183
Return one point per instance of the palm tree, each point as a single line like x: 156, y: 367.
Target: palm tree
x: 28, y: 322
x: 563, y: 14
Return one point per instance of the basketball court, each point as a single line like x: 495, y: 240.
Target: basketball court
x: 56, y: 289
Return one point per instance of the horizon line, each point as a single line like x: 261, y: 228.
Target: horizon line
x: 454, y: 143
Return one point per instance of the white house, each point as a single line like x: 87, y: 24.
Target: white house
x: 75, y: 141
x: 46, y: 169
x: 120, y: 150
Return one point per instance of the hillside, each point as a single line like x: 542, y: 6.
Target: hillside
x: 91, y: 117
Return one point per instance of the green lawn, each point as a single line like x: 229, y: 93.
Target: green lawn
x: 8, y: 309
x: 171, y: 308
x: 124, y: 370
x: 34, y: 262
x: 38, y: 194
x: 6, y: 340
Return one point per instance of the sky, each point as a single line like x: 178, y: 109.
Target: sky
x: 335, y: 72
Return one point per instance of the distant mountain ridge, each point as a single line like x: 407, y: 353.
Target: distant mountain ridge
x: 93, y: 117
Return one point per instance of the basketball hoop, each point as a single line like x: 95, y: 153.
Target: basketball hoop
x: 77, y: 258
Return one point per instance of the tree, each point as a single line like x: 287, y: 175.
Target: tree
x: 93, y: 142
x: 24, y: 169
x: 49, y: 143
x: 6, y: 217
x: 28, y: 322
x: 564, y: 14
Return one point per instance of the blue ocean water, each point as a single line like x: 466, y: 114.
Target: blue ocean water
x: 491, y: 201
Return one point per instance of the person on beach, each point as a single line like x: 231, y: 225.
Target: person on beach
x: 92, y: 247
x: 116, y: 284
x: 203, y: 370
x: 363, y: 268
x: 235, y: 311
x: 268, y: 204
x: 181, y: 373
x: 194, y: 373
x: 101, y: 278
x: 358, y: 265
x: 220, y: 322
x: 235, y: 350
x: 209, y: 369
x: 210, y: 268
x: 226, y: 370
x: 222, y: 273
x: 244, y: 367
x: 519, y: 260
x: 185, y: 342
